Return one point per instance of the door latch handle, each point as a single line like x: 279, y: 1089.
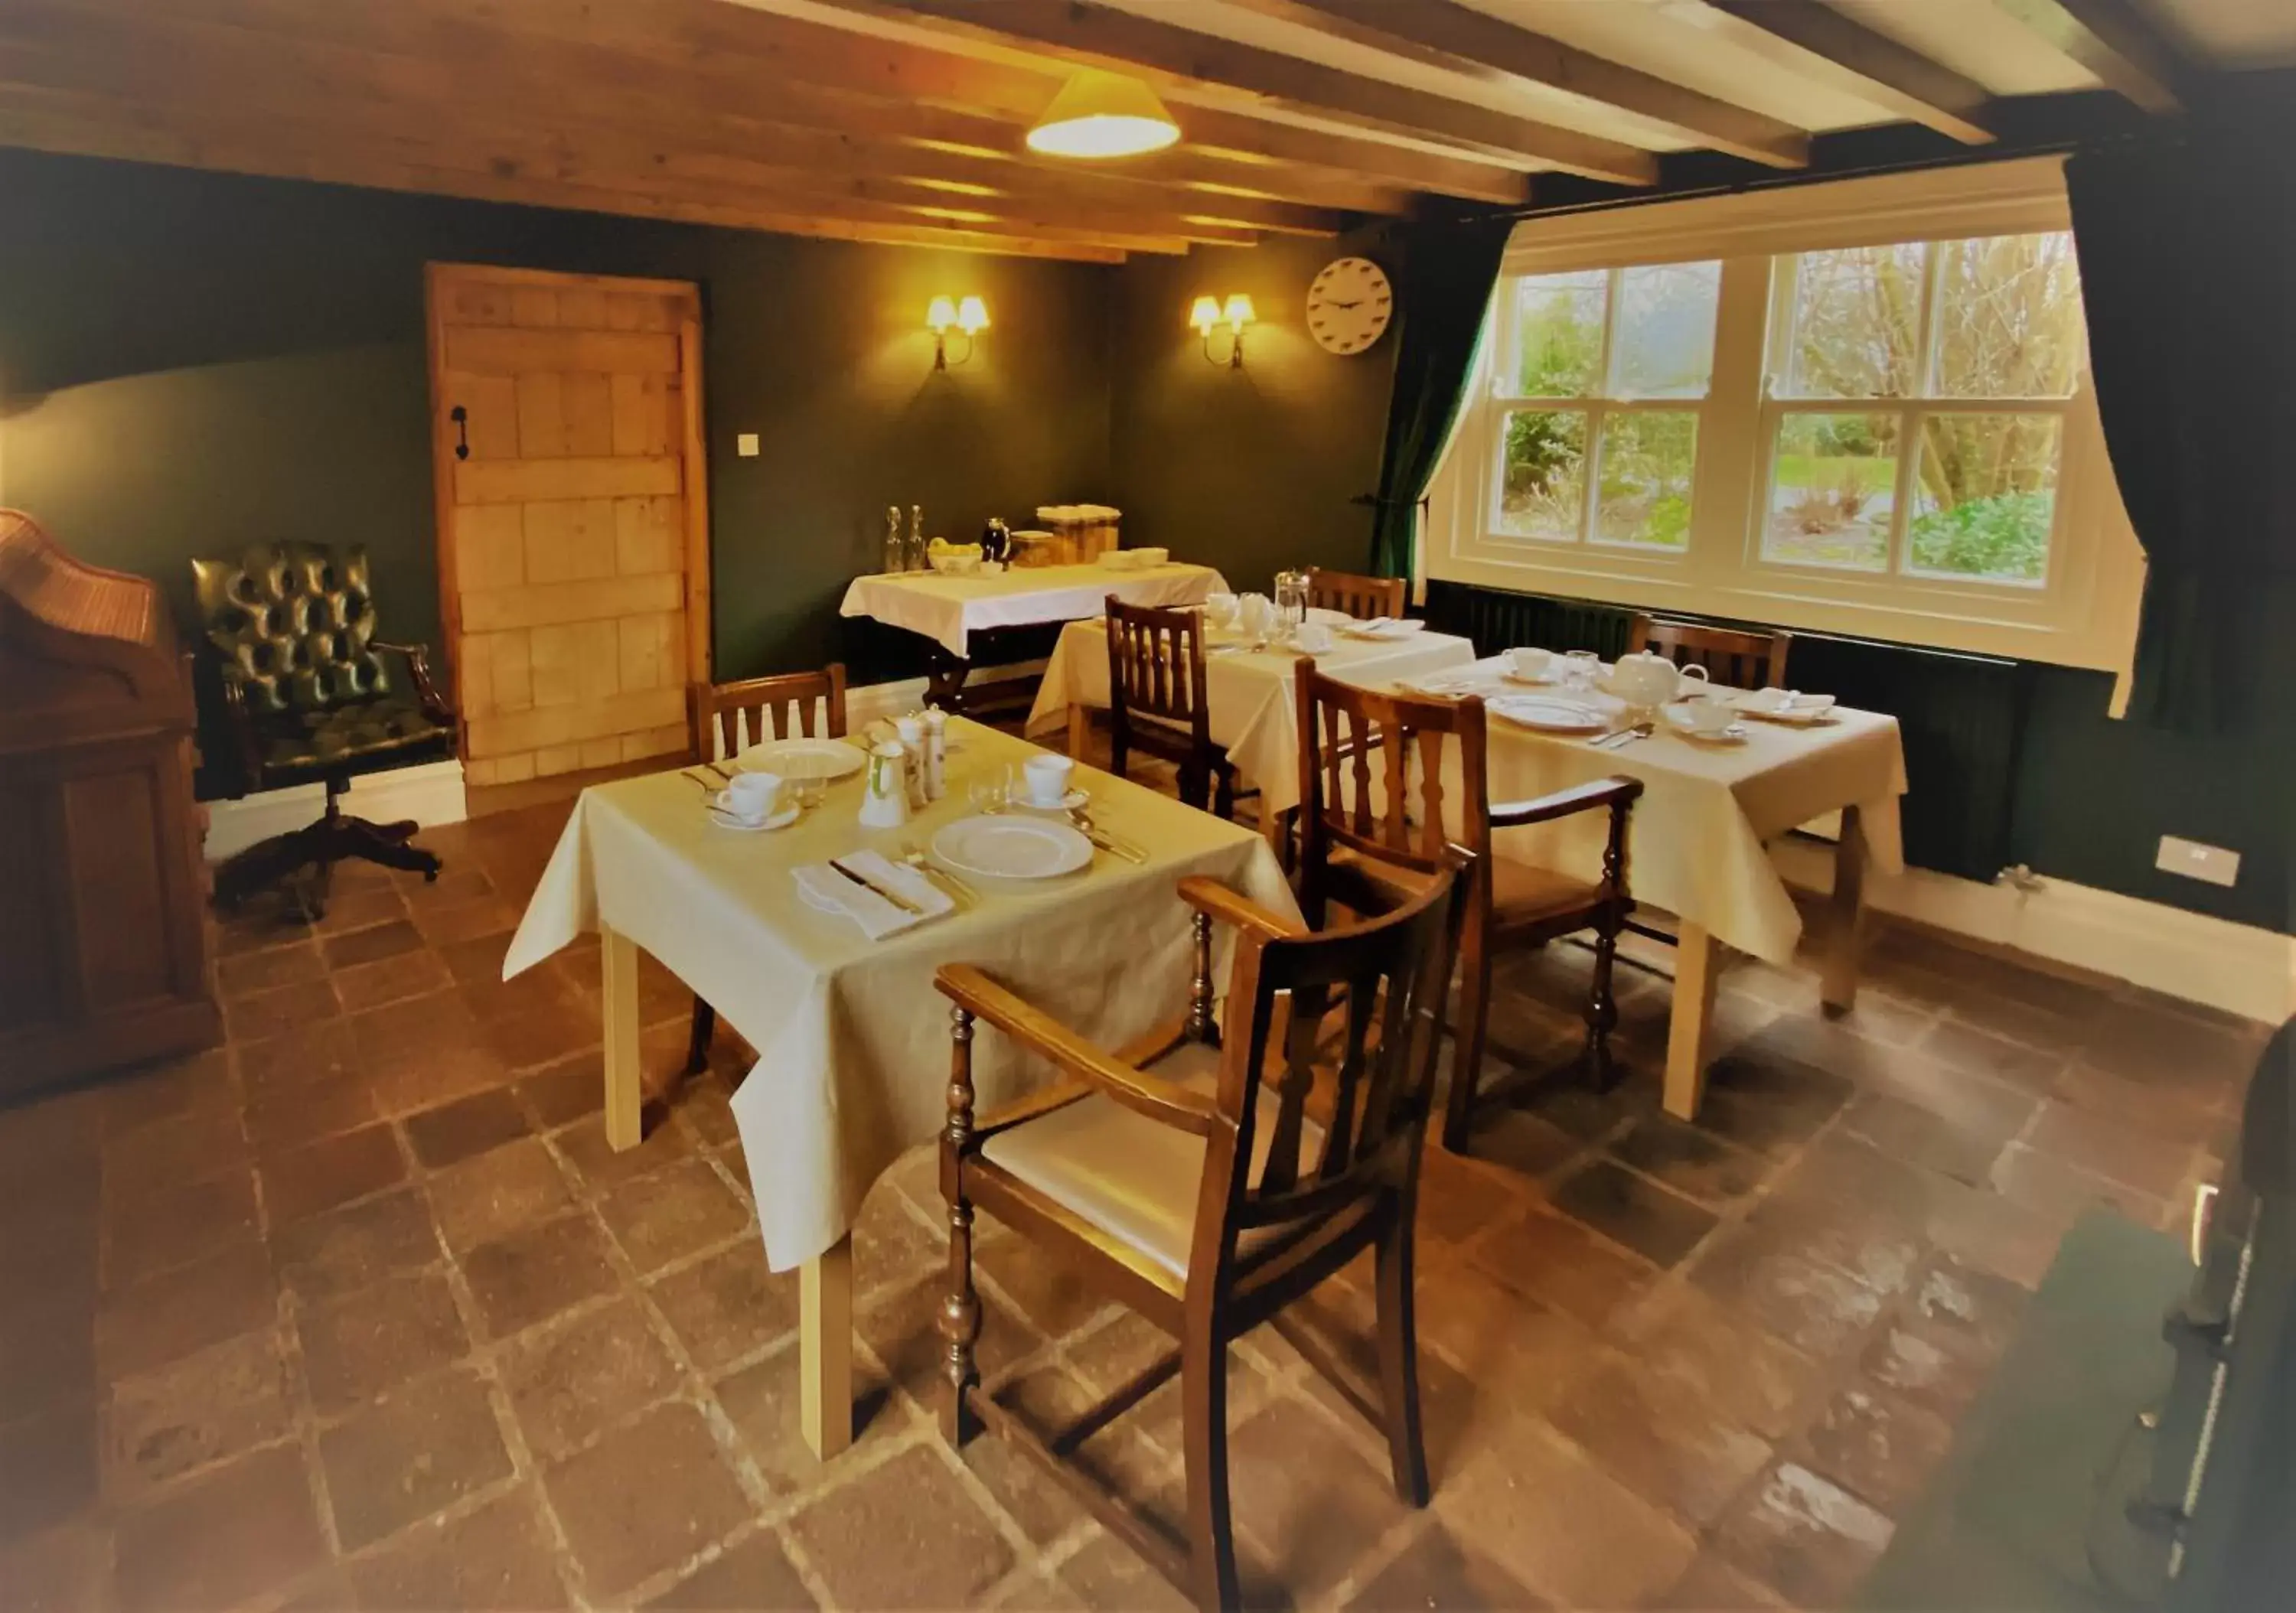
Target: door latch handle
x: 460, y: 416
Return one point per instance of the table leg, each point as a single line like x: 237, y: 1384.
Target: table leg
x: 618, y: 1017
x: 945, y: 675
x: 1838, y: 988
x: 826, y: 1349
x: 1697, y: 970
x: 1079, y: 729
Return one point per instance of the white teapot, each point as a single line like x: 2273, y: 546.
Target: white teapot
x: 1653, y: 680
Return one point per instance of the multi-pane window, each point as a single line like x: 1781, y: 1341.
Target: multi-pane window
x: 1601, y: 377
x: 1916, y: 409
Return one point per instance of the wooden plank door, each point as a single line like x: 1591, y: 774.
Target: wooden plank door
x: 573, y: 528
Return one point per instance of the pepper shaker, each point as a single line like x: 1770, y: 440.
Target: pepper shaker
x: 936, y: 753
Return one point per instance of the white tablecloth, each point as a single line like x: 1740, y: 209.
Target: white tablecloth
x: 1248, y: 693
x: 852, y: 1038
x: 947, y: 609
x: 1695, y: 849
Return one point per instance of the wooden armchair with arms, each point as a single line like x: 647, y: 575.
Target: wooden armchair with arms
x: 1731, y: 656
x: 1361, y: 597
x: 1371, y: 835
x: 1156, y: 701
x: 808, y: 704
x: 1212, y: 1175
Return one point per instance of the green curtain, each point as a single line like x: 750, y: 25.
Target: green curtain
x: 1448, y: 269
x: 2187, y: 258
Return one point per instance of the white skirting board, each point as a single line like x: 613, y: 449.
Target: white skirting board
x: 2236, y: 967
x: 430, y: 794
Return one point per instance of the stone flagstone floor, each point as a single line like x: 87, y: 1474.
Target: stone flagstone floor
x: 358, y: 1310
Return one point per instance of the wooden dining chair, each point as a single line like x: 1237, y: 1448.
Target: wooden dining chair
x: 1156, y: 701
x: 1361, y: 597
x: 1208, y: 1178
x: 1372, y: 783
x: 726, y: 716
x: 1741, y: 659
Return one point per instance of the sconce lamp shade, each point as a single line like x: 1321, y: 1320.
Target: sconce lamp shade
x: 1101, y: 115
x: 972, y: 316
x: 1205, y: 314
x: 940, y: 315
x: 1239, y: 312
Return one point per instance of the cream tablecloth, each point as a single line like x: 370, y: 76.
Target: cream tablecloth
x: 852, y: 1039
x: 1248, y: 693
x: 947, y: 609
x: 1695, y: 849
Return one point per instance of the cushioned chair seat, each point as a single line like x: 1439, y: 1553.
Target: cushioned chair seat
x: 1521, y: 893
x: 1128, y: 1176
x: 314, y: 739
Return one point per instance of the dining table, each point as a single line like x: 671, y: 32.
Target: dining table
x: 951, y: 609
x: 852, y: 1038
x: 1697, y: 844
x: 1247, y: 683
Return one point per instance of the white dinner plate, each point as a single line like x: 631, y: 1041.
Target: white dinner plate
x: 802, y: 759
x: 1386, y: 633
x: 1547, y: 714
x: 1007, y: 846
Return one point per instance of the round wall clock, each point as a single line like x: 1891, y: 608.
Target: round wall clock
x: 1349, y: 305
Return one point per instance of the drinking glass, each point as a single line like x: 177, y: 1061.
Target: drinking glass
x: 1580, y: 667
x: 990, y: 788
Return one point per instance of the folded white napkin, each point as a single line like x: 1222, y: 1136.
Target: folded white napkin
x: 826, y: 888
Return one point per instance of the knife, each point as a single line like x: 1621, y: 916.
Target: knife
x: 1100, y: 837
x: 866, y: 883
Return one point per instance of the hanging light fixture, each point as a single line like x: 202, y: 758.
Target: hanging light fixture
x: 1100, y: 115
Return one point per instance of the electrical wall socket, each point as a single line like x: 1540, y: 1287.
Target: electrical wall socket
x: 2195, y: 861
x: 746, y: 444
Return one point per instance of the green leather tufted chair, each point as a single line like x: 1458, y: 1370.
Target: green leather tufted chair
x: 314, y: 696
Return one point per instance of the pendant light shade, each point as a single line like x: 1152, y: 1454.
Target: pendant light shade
x: 1102, y: 115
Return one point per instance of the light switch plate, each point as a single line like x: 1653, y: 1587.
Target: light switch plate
x: 746, y: 444
x: 2194, y: 861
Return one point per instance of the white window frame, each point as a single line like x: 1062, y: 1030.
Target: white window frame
x: 2082, y: 613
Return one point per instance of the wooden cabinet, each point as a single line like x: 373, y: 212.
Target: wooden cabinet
x: 103, y: 947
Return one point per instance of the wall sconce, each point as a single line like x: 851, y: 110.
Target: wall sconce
x: 969, y: 317
x: 1237, y: 314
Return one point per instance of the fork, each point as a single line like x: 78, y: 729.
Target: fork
x: 914, y: 856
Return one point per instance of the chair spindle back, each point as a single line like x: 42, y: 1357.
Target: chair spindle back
x: 1361, y: 597
x: 810, y: 705
x: 1741, y: 659
x: 1156, y: 667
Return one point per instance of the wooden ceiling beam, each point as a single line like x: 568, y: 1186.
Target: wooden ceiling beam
x: 1816, y: 40
x: 712, y: 56
x: 1459, y: 38
x: 317, y: 149
x: 1097, y: 36
x: 2111, y: 40
x: 24, y: 125
x: 486, y: 140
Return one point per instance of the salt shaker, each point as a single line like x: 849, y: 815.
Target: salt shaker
x: 912, y: 733
x: 936, y: 753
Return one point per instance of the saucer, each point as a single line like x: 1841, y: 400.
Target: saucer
x: 780, y: 820
x: 1069, y: 802
x: 1545, y: 680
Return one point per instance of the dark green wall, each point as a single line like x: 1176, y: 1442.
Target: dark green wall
x: 192, y: 361
x: 1252, y: 471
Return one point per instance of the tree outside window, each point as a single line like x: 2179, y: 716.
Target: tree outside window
x: 1975, y: 346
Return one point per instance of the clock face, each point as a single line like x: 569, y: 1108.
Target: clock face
x: 1349, y: 305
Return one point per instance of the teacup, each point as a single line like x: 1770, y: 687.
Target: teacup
x: 1312, y: 638
x: 1047, y: 778
x: 1704, y: 717
x: 751, y: 797
x: 1529, y: 665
